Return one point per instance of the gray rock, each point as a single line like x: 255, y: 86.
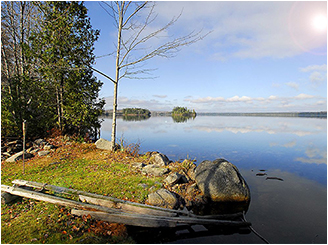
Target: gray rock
x: 43, y: 153
x: 48, y: 147
x: 138, y: 165
x: 7, y: 198
x: 220, y: 180
x: 159, y: 159
x: 191, y: 173
x: 105, y: 145
x: 154, y: 170
x: 175, y: 178
x: 40, y: 142
x: 19, y: 156
x: 163, y: 198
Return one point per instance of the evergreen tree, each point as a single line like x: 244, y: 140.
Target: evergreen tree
x: 56, y: 91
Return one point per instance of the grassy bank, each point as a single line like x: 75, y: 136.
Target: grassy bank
x: 79, y: 166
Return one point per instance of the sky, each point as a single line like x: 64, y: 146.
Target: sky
x: 257, y: 57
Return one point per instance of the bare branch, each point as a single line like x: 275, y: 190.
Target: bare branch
x: 169, y: 49
x: 134, y: 13
x: 101, y: 73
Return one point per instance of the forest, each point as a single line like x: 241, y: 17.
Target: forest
x: 46, y: 76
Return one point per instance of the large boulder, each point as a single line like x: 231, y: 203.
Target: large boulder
x: 105, y: 145
x: 163, y: 198
x: 220, y: 181
x: 159, y: 159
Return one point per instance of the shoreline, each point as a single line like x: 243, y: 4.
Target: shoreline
x: 321, y: 114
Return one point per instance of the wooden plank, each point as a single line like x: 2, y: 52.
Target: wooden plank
x: 127, y: 219
x: 54, y: 199
x: 113, y: 215
x: 156, y: 221
x: 125, y: 207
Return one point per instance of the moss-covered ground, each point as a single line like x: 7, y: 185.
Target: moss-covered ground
x: 79, y: 166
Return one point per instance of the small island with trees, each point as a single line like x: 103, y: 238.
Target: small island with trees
x: 136, y: 112
x: 183, y: 111
x: 182, y: 114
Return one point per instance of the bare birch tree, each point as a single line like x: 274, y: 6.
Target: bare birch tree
x: 135, y: 43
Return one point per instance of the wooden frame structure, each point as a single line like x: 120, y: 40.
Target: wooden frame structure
x: 115, y: 210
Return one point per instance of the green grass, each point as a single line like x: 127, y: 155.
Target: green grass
x: 81, y: 167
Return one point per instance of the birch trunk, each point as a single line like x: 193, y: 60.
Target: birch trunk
x: 117, y: 77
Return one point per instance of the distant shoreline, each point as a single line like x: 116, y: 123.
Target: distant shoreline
x: 320, y: 114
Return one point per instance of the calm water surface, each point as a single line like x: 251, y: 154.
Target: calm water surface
x: 295, y: 149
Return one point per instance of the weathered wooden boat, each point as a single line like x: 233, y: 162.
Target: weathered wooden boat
x: 115, y: 210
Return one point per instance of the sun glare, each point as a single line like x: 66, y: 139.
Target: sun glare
x: 320, y: 22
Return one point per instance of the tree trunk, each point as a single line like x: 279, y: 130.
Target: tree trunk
x: 58, y: 107
x: 62, y: 102
x: 120, y: 24
x: 114, y: 116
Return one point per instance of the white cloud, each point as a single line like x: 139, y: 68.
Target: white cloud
x: 293, y: 85
x: 250, y: 29
x: 273, y: 97
x: 316, y: 77
x: 159, y: 96
x: 205, y: 100
x: 318, y: 73
x: 238, y: 99
x: 314, y: 68
x: 303, y: 96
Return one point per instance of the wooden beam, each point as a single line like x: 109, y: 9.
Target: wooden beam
x: 107, y: 198
x: 54, y: 199
x: 125, y: 207
x: 156, y: 221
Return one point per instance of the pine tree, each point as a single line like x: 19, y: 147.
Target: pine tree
x: 52, y: 88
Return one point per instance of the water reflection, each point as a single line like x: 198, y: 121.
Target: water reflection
x: 296, y: 145
x: 181, y: 118
x: 293, y: 149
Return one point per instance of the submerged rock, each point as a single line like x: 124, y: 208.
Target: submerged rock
x: 220, y: 181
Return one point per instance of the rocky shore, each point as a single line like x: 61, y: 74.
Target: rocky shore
x: 13, y: 150
x: 212, y: 187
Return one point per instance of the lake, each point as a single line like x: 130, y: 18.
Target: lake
x: 291, y: 148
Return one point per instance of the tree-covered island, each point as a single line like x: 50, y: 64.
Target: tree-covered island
x: 183, y: 111
x: 182, y: 114
x: 136, y: 112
